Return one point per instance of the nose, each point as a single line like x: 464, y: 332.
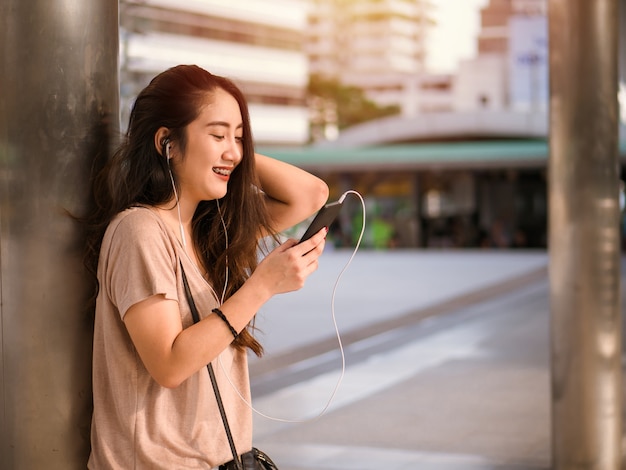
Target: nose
x: 233, y: 151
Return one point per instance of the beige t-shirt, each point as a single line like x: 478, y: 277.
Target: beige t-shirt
x: 137, y: 424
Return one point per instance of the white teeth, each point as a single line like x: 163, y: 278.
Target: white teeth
x: 222, y: 171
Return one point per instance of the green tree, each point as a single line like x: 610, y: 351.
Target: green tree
x: 346, y: 105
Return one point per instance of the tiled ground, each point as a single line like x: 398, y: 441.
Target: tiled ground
x: 465, y: 390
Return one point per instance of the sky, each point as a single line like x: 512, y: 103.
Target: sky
x: 454, y: 37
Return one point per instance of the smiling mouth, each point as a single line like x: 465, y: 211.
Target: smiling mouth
x: 222, y: 171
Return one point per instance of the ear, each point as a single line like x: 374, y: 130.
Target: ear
x: 160, y: 137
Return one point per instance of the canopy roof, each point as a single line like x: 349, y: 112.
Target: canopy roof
x: 476, y: 154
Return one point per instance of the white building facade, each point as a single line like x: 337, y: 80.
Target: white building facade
x: 259, y: 45
x: 511, y: 68
x: 375, y: 45
x: 509, y: 73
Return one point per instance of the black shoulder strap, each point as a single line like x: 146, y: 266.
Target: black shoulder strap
x: 218, y: 397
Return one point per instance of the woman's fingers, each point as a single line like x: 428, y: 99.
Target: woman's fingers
x: 312, y: 243
x: 288, y: 266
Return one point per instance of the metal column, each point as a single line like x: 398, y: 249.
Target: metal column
x: 584, y: 235
x: 58, y: 105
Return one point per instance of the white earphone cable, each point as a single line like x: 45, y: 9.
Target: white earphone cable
x: 343, y: 357
x: 334, y: 319
x: 180, y: 221
x: 226, y: 236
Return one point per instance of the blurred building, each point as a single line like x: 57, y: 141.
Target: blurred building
x: 259, y: 45
x: 494, y: 34
x: 510, y: 70
x: 376, y: 45
x: 464, y: 165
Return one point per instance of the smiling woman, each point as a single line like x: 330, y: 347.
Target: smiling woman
x: 183, y: 204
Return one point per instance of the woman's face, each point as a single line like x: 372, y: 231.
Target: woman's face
x: 214, y: 148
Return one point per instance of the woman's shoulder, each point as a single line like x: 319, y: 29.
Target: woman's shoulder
x: 136, y: 216
x: 139, y: 223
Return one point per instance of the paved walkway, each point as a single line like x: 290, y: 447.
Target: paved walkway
x: 380, y: 285
x: 447, y: 365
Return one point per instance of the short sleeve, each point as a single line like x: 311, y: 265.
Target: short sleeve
x: 140, y: 261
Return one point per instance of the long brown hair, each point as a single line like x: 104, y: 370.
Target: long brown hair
x: 137, y: 174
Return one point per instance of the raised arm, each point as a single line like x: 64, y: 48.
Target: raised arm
x: 292, y: 194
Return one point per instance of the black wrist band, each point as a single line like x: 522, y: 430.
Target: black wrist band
x: 219, y: 313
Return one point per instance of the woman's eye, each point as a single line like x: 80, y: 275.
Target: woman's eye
x: 218, y: 137
x: 239, y: 140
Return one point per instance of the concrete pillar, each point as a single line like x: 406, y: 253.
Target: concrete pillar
x: 584, y: 235
x: 58, y: 105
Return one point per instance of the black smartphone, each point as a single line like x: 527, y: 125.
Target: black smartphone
x: 325, y: 216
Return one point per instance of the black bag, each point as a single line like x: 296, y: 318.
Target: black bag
x: 253, y: 460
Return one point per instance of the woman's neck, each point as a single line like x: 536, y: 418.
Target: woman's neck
x: 182, y: 228
x: 178, y: 216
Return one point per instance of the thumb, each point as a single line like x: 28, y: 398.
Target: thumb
x: 285, y: 246
x: 288, y: 244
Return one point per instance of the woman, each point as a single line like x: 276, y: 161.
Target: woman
x: 186, y: 192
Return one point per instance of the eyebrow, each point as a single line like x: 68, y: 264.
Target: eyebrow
x: 223, y: 124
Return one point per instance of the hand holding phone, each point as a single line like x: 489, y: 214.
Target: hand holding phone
x: 323, y: 218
